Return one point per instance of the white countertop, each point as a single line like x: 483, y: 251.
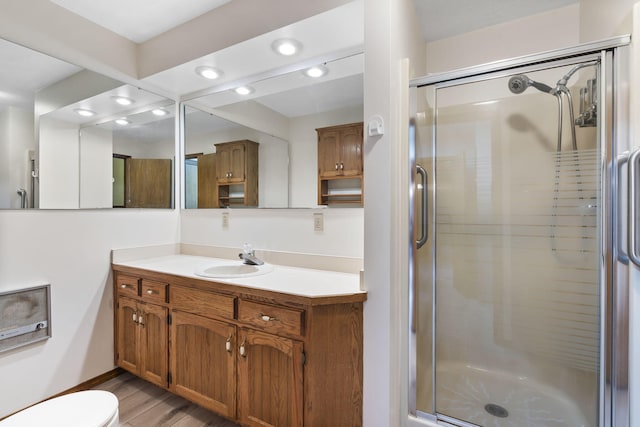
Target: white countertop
x: 290, y: 280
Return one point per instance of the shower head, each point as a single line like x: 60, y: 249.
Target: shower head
x: 519, y: 83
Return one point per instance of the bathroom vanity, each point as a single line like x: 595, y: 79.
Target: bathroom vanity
x: 279, y: 349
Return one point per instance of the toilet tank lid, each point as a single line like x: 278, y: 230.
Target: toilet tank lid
x: 80, y: 409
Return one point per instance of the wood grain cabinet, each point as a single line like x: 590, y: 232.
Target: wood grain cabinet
x: 340, y: 164
x: 142, y: 331
x: 237, y: 173
x: 253, y: 356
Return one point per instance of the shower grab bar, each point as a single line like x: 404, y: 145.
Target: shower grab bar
x: 621, y: 229
x: 424, y: 232
x: 631, y: 206
x: 21, y: 330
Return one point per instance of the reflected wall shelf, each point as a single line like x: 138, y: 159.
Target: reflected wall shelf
x: 340, y: 165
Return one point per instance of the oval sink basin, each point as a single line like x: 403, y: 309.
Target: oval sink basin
x: 233, y: 270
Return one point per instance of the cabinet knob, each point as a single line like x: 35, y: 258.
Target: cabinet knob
x: 124, y: 286
x: 243, y: 351
x: 140, y: 320
x: 267, y: 318
x: 341, y: 166
x: 135, y: 317
x: 150, y: 292
x: 336, y: 166
x: 228, y: 343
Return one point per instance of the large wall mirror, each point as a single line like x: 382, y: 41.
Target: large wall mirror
x: 74, y: 139
x: 280, y: 114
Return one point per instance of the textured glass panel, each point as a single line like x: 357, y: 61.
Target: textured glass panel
x: 516, y: 256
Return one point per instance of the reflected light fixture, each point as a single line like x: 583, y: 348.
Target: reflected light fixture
x: 317, y: 71
x: 243, y: 90
x: 208, y: 72
x: 123, y: 100
x: 84, y: 112
x: 122, y: 122
x: 286, y: 47
x: 159, y: 112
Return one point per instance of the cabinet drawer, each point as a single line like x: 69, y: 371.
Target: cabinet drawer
x: 127, y: 285
x: 202, y: 303
x: 153, y: 291
x: 271, y: 318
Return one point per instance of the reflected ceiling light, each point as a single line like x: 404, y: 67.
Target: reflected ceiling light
x: 208, y: 72
x: 84, y: 112
x: 159, y: 112
x: 123, y: 100
x: 317, y: 71
x: 286, y: 47
x: 123, y: 122
x: 244, y: 90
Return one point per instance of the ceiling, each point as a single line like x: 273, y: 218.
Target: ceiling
x: 139, y: 20
x: 253, y: 61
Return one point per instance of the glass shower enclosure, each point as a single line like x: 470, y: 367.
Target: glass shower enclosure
x: 518, y: 285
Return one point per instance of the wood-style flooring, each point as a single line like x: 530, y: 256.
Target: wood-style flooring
x: 144, y: 405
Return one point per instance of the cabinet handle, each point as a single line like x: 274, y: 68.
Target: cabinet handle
x: 243, y: 351
x: 150, y: 292
x: 267, y: 318
x: 228, y: 343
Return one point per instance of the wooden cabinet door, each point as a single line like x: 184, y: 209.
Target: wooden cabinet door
x: 328, y: 142
x: 148, y: 183
x: 154, y: 339
x: 128, y: 342
x: 269, y: 380
x: 350, y: 153
x: 237, y: 162
x: 203, y: 362
x: 207, y: 188
x: 223, y: 163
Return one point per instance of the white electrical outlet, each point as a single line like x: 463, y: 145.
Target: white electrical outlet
x: 318, y: 221
x: 225, y: 220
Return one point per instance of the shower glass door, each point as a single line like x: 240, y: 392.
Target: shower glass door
x: 513, y: 258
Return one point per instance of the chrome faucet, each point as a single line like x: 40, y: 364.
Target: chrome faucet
x: 248, y: 255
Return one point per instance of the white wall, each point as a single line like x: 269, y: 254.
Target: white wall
x: 59, y: 165
x: 71, y: 251
x: 391, y: 35
x: 96, y: 168
x: 285, y: 230
x: 538, y: 33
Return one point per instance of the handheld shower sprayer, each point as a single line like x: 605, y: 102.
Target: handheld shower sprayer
x: 519, y: 83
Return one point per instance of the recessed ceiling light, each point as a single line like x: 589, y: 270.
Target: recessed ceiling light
x: 159, y: 112
x: 122, y: 122
x: 84, y: 112
x: 286, y: 47
x: 244, y: 90
x: 208, y: 72
x: 317, y: 71
x: 123, y: 100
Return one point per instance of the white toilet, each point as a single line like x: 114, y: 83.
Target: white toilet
x: 91, y: 408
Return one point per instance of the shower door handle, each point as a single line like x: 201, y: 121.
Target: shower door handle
x: 631, y: 206
x: 424, y: 232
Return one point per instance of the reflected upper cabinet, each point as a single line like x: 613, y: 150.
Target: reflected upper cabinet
x: 340, y: 164
x: 237, y: 173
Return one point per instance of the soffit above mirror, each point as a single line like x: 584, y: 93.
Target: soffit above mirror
x: 327, y: 36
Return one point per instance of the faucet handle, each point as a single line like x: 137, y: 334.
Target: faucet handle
x: 247, y: 249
